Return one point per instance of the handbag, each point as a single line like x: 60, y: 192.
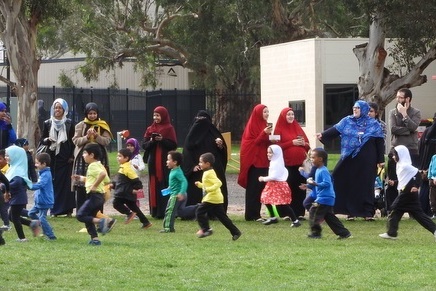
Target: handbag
x: 42, y: 148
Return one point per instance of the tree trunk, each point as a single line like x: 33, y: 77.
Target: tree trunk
x: 19, y: 38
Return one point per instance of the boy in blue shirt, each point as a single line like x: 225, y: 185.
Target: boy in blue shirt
x: 324, y: 199
x: 43, y: 196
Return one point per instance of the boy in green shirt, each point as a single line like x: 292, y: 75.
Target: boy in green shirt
x: 96, y: 178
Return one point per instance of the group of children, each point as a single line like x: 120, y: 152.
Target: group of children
x: 126, y: 185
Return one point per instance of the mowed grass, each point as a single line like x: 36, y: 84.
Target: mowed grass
x: 275, y: 257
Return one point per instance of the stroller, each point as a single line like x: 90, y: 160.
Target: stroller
x: 380, y: 192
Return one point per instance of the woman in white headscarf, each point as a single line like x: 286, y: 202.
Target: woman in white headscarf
x: 57, y: 134
x: 409, y: 180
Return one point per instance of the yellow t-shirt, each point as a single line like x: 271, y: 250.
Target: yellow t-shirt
x: 94, y: 170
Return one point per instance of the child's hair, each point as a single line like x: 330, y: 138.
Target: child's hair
x: 125, y: 153
x: 93, y: 148
x: 176, y: 156
x: 208, y: 158
x: 320, y: 152
x: 2, y: 153
x: 21, y: 142
x: 44, y: 158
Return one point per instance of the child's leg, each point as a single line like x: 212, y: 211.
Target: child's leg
x: 120, y: 205
x: 335, y: 224
x: 394, y: 218
x: 316, y: 217
x: 134, y: 207
x: 87, y: 212
x: 432, y: 197
x: 218, y: 210
x: 424, y: 220
x: 202, y: 217
x: 286, y: 210
x: 15, y: 215
x: 45, y: 225
x: 170, y: 214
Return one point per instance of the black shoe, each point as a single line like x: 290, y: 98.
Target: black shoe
x: 270, y: 221
x: 2, y: 241
x: 205, y: 233
x: 236, y: 236
x: 345, y: 236
x: 314, y: 236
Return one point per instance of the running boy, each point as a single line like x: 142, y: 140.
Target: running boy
x: 409, y: 180
x: 44, y: 195
x: 213, y: 200
x: 126, y: 186
x: 178, y: 184
x: 324, y: 199
x: 96, y: 178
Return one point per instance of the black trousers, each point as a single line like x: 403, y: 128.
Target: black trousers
x: 88, y: 211
x: 125, y: 206
x: 218, y: 211
x: 408, y: 202
x: 18, y: 220
x: 320, y: 212
x: 253, y: 192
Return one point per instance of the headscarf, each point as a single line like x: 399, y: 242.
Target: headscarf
x: 21, y: 142
x: 355, y: 132
x: 405, y: 170
x: 277, y: 170
x: 431, y: 134
x: 3, y: 124
x: 133, y: 142
x: 97, y: 122
x: 293, y: 155
x: 58, y: 126
x: 164, y: 127
x: 253, y: 145
x: 17, y: 164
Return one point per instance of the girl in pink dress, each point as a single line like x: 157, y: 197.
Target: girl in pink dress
x: 277, y: 191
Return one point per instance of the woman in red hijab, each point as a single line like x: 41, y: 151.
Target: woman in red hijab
x: 254, y: 161
x: 159, y: 139
x: 295, y: 145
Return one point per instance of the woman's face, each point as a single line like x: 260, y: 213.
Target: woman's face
x: 156, y: 117
x: 356, y: 111
x: 58, y: 111
x: 290, y: 116
x: 92, y: 115
x: 265, y: 113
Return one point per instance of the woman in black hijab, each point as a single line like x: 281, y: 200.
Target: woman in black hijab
x: 203, y: 137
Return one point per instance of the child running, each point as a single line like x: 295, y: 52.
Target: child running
x: 277, y: 191
x: 96, y: 178
x: 43, y: 196
x: 324, y: 199
x: 213, y: 200
x: 126, y: 186
x: 409, y: 180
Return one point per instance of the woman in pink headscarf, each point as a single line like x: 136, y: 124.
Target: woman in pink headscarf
x: 159, y: 139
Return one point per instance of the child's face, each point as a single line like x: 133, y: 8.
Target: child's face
x: 316, y: 161
x: 122, y: 159
x: 3, y: 162
x: 203, y: 165
x: 130, y: 147
x: 26, y: 147
x: 39, y: 165
x: 269, y: 153
x: 171, y: 164
x: 8, y: 160
x: 89, y: 158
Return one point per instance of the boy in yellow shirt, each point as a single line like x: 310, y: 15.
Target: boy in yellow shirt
x: 213, y: 200
x: 95, y: 180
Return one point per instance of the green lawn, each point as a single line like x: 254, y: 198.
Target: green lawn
x: 274, y: 257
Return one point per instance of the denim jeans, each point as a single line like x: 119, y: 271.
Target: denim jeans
x: 41, y: 215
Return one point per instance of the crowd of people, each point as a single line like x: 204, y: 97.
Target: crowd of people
x: 278, y: 169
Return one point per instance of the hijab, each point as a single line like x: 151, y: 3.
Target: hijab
x: 405, y: 170
x: 97, y: 122
x: 355, y: 132
x: 133, y: 142
x: 17, y: 164
x: 277, y: 170
x: 3, y: 124
x: 293, y: 155
x: 164, y: 127
x: 58, y: 131
x: 253, y: 145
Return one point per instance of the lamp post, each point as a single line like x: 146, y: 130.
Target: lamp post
x: 8, y: 76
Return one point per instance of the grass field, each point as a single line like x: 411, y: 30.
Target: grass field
x: 274, y: 257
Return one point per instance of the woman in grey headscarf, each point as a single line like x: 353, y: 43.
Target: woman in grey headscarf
x: 57, y: 134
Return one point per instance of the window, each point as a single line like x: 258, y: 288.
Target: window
x: 299, y: 108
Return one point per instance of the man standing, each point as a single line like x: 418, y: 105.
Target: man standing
x: 404, y: 121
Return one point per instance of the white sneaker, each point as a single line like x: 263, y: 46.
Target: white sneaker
x: 387, y: 236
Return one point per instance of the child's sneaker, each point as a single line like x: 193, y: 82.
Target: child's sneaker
x: 296, y: 223
x: 95, y: 242
x: 236, y: 236
x: 146, y: 225
x: 5, y: 227
x: 345, y: 236
x: 387, y: 236
x: 205, y: 233
x: 2, y: 240
x: 110, y: 224
x: 165, y: 230
x: 35, y: 226
x: 22, y: 240
x: 130, y: 217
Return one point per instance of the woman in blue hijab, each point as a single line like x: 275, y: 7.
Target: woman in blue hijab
x: 362, y: 149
